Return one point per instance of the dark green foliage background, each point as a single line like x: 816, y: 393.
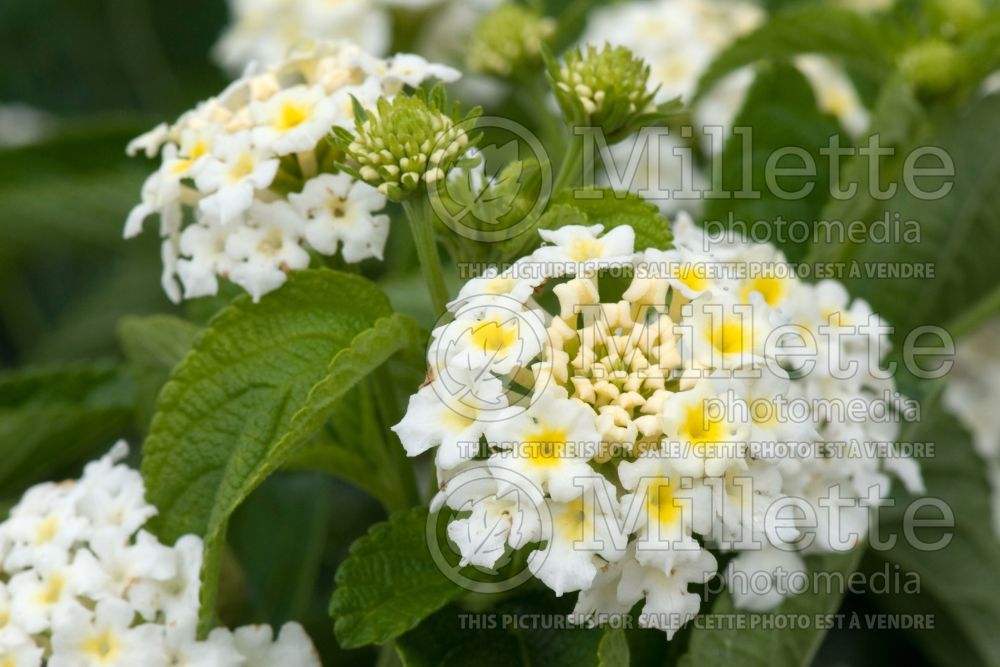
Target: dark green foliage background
x: 71, y: 380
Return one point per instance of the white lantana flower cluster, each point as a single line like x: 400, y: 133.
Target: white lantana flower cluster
x: 972, y: 394
x: 263, y: 31
x: 866, y: 6
x: 244, y: 190
x: 22, y: 125
x: 82, y: 584
x: 679, y: 39
x: 629, y: 415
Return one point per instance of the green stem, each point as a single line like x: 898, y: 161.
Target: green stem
x: 422, y: 228
x: 211, y: 570
x: 571, y: 164
x: 532, y: 95
x: 387, y: 656
x: 433, y: 486
x: 571, y: 14
x: 388, y: 407
x: 981, y: 311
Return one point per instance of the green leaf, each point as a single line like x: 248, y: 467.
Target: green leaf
x: 958, y: 233
x: 757, y: 647
x: 353, y: 447
x: 444, y: 639
x: 898, y: 120
x: 91, y: 298
x: 66, y: 275
x: 389, y: 582
x: 260, y: 381
x: 441, y: 635
x: 283, y: 546
x: 781, y: 111
x: 613, y: 649
x: 937, y: 643
x: 53, y: 417
x: 152, y: 346
x: 517, y: 631
x: 961, y: 577
x: 278, y: 536
x: 114, y: 66
x: 77, y: 186
x: 981, y: 52
x: 857, y: 40
x: 565, y: 646
x: 604, y: 206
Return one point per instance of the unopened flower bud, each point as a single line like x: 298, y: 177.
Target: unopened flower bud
x: 405, y: 143
x: 933, y: 66
x: 606, y: 88
x: 509, y: 40
x: 955, y: 18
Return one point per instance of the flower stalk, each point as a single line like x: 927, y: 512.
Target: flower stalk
x: 422, y: 227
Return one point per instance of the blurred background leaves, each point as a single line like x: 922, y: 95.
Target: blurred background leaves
x: 74, y: 376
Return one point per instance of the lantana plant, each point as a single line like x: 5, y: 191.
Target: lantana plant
x: 562, y: 298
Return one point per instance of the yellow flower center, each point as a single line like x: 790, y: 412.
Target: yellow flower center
x: 500, y: 285
x: 699, y: 428
x: 772, y: 289
x: 271, y: 244
x: 291, y: 115
x: 493, y: 336
x: 835, y: 102
x: 103, y: 646
x: 585, y: 249
x: 181, y: 166
x: 676, y: 69
x: 834, y: 317
x: 661, y: 504
x: 243, y: 167
x: 763, y: 412
x: 459, y: 417
x: 199, y: 148
x: 730, y: 336
x: 46, y: 530
x: 571, y: 522
x: 52, y: 590
x: 545, y: 447
x: 694, y: 277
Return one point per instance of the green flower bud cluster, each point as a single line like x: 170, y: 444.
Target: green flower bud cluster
x: 955, y: 18
x: 405, y: 143
x: 509, y: 40
x: 606, y: 88
x: 933, y: 66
